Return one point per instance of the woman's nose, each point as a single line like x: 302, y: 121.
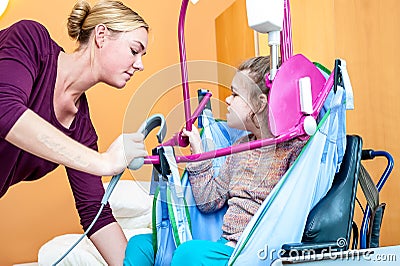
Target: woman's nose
x: 228, y: 99
x: 138, y: 64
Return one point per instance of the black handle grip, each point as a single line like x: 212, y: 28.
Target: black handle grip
x: 367, y: 154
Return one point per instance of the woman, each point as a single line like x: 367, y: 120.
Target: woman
x: 44, y: 114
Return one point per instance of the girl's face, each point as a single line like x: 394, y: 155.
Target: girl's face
x: 121, y: 55
x: 239, y: 107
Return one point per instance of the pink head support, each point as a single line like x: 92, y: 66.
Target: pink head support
x: 285, y: 113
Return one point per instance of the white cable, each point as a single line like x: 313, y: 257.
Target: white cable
x: 83, y: 235
x: 107, y: 194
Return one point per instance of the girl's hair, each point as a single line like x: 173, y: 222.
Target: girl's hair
x: 113, y: 14
x: 256, y: 68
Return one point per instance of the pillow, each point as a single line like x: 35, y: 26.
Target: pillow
x: 132, y: 232
x: 143, y: 221
x: 129, y: 199
x: 83, y: 254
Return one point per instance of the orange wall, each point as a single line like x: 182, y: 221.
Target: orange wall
x: 32, y: 214
x: 235, y: 43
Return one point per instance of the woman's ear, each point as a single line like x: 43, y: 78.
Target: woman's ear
x: 263, y: 102
x: 100, y: 31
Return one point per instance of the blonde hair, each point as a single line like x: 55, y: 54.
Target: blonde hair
x: 113, y: 14
x: 257, y: 69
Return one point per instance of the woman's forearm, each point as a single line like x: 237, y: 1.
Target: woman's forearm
x: 35, y: 135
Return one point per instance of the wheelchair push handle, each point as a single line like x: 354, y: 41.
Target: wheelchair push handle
x: 369, y: 154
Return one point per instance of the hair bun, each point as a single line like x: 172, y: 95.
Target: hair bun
x: 77, y: 17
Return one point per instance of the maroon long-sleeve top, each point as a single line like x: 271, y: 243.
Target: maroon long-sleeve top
x: 28, y: 70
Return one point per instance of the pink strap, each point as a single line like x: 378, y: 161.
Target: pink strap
x: 286, y: 34
x: 268, y: 82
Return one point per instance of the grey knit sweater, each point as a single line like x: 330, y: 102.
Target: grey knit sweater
x: 244, y: 181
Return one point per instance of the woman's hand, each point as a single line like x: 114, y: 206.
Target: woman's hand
x: 194, y: 140
x: 123, y: 150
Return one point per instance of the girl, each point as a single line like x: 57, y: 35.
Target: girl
x: 246, y: 178
x: 244, y: 181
